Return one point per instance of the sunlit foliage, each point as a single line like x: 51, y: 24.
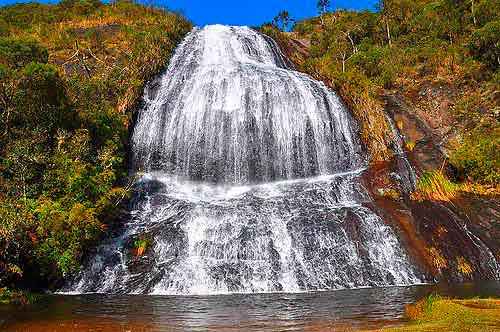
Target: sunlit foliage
x: 70, y: 75
x: 405, y: 43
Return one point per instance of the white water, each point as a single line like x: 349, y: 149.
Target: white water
x: 251, y: 182
x: 229, y: 110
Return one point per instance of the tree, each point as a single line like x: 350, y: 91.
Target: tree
x: 386, y: 14
x: 473, y: 12
x: 283, y: 20
x: 323, y: 6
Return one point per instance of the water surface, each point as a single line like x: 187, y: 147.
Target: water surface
x: 338, y: 310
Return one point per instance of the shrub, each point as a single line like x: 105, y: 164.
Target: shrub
x: 41, y: 100
x: 485, y: 44
x: 18, y: 52
x: 63, y: 134
x: 80, y: 7
x: 477, y: 157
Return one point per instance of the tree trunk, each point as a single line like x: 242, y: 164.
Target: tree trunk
x: 473, y: 13
x: 354, y: 48
x: 388, y: 32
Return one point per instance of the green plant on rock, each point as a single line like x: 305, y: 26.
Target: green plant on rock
x: 435, y: 185
x: 477, y: 157
x: 140, y: 246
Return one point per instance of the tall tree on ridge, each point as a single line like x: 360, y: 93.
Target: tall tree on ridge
x: 322, y: 6
x: 384, y: 10
x: 282, y: 20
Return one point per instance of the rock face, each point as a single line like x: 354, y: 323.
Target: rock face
x: 458, y: 240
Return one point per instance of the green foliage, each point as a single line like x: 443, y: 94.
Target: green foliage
x: 485, y: 44
x: 64, y: 126
x: 478, y: 158
x: 436, y: 313
x: 372, y: 61
x: 25, y: 16
x: 41, y: 101
x: 435, y: 185
x: 18, y: 53
x: 81, y: 7
x: 141, y: 245
x: 9, y: 296
x: 407, y: 44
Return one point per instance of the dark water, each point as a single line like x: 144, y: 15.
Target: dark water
x: 316, y: 311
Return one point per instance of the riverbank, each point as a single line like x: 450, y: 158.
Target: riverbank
x: 8, y: 296
x: 435, y: 313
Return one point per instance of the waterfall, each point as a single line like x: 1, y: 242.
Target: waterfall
x: 229, y: 110
x: 250, y: 182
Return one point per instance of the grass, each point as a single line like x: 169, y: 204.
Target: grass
x: 434, y: 185
x: 435, y: 313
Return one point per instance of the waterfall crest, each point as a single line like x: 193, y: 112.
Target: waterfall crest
x: 251, y: 182
x: 229, y: 110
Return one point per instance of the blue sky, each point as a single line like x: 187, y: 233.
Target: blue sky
x: 245, y: 12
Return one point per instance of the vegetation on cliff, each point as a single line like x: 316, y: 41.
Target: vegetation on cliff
x: 433, y: 67
x: 69, y: 74
x: 404, y: 48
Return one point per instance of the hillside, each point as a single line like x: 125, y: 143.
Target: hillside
x: 421, y: 77
x: 70, y: 75
x: 436, y: 74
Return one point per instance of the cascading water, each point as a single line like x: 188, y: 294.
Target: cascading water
x: 250, y: 182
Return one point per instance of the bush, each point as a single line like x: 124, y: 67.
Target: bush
x: 485, y: 44
x: 41, y: 100
x: 18, y: 53
x: 477, y: 157
x: 80, y: 7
